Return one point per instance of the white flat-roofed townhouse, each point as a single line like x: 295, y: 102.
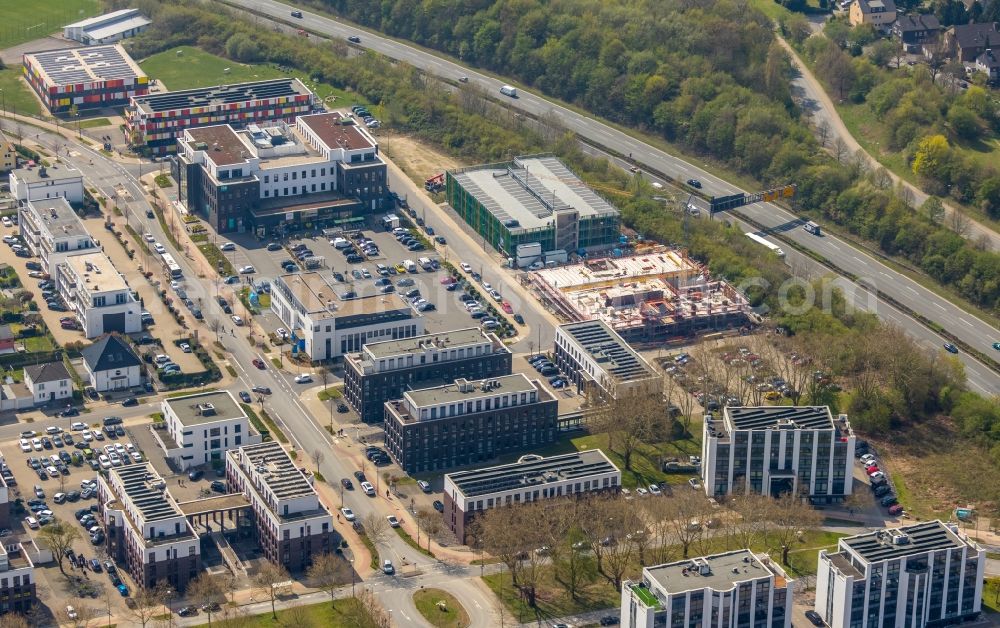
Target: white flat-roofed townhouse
x: 731, y: 590
x: 52, y: 231
x: 773, y: 450
x: 594, y: 355
x: 201, y: 428
x: 17, y: 577
x: 292, y: 523
x: 147, y: 533
x: 329, y: 326
x: 41, y: 184
x: 98, y: 295
x: 926, y: 574
x: 531, y: 478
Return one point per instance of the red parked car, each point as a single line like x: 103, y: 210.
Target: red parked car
x: 895, y: 509
x: 872, y: 469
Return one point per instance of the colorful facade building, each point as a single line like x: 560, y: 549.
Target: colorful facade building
x: 89, y: 78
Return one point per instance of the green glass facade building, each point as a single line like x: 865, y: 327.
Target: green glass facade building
x: 534, y: 199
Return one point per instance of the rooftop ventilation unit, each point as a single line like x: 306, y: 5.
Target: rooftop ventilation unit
x: 205, y: 409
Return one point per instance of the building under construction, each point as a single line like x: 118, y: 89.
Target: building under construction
x: 650, y: 296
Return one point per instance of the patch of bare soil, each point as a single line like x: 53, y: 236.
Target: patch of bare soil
x: 417, y: 159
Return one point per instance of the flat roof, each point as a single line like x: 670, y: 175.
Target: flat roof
x: 39, y: 174
x: 893, y: 543
x: 765, y: 417
x: 724, y: 571
x: 534, y: 471
x: 609, y: 350
x: 221, y: 95
x: 71, y: 66
x: 330, y: 130
x: 463, y: 390
x: 418, y: 344
x: 224, y: 145
x: 216, y: 503
x: 106, y: 18
x: 117, y: 27
x: 277, y: 470
x: 317, y: 294
x: 153, y: 504
x: 58, y: 217
x: 224, y: 407
x: 96, y: 271
x: 530, y: 190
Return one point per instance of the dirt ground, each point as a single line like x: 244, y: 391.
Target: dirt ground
x: 418, y: 160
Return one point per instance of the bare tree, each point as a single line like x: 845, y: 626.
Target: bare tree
x: 499, y: 532
x: 609, y: 527
x: 788, y: 518
x: 59, y: 536
x: 748, y: 523
x: 146, y: 603
x: 324, y: 374
x: 690, y: 515
x: 317, y: 456
x: 264, y: 580
x: 13, y: 620
x: 823, y: 131
x: 839, y: 149
x: 370, y: 613
x: 630, y: 420
x: 206, y: 591
x: 376, y: 527
x: 881, y: 178
x: 430, y: 522
x: 108, y: 597
x: 214, y: 326
x: 328, y: 572
x: 658, y: 515
x: 958, y: 222
x: 572, y: 566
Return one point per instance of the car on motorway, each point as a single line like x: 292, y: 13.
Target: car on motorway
x: 996, y: 345
x: 950, y: 348
x: 297, y: 14
x: 695, y: 183
x: 354, y: 39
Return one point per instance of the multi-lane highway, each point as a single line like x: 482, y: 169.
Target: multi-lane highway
x: 871, y: 274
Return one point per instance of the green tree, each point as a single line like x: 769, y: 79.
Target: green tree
x: 932, y: 157
x: 964, y: 122
x: 933, y: 208
x: 883, y: 52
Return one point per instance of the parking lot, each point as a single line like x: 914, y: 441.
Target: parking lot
x: 67, y: 493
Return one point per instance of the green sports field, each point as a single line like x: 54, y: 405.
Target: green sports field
x: 26, y: 20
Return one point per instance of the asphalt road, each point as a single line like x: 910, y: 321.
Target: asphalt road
x: 870, y: 271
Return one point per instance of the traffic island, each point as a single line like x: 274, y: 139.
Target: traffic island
x: 440, y: 609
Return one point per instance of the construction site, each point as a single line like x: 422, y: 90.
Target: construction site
x: 653, y: 295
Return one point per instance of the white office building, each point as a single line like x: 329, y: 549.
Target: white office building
x: 97, y: 295
x: 773, y: 450
x: 292, y: 523
x: 201, y: 428
x: 594, y: 356
x: 52, y: 231
x: 736, y: 589
x: 40, y: 183
x: 147, y: 534
x: 328, y: 326
x: 107, y: 28
x: 926, y: 574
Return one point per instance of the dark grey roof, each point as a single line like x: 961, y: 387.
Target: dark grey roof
x: 907, y: 23
x: 576, y: 466
x: 47, y: 372
x: 889, y: 544
x: 609, y: 350
x: 976, y: 35
x: 868, y: 6
x: 988, y: 59
x: 767, y: 417
x: 110, y: 352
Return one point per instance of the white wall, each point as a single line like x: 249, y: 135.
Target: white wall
x: 70, y: 188
x: 273, y: 183
x: 117, y: 379
x: 43, y: 391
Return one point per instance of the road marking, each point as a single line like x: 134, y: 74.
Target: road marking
x: 858, y: 258
x: 940, y: 306
x: 912, y: 290
x: 966, y: 322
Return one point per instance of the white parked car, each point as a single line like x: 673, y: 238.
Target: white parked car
x: 76, y: 426
x: 466, y: 267
x: 37, y: 444
x: 87, y: 436
x: 136, y: 456
x: 115, y: 460
x: 32, y: 522
x: 7, y: 222
x: 228, y: 246
x: 159, y: 248
x: 393, y: 521
x: 25, y: 445
x: 237, y: 321
x: 105, y: 461
x: 368, y: 489
x: 71, y: 612
x: 348, y: 513
x: 247, y: 270
x: 304, y: 378
x: 654, y: 489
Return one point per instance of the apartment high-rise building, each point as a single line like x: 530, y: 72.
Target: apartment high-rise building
x: 926, y: 574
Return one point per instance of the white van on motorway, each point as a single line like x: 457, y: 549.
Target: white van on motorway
x: 507, y: 90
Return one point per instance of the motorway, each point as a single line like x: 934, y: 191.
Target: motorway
x: 871, y: 274
x: 284, y: 405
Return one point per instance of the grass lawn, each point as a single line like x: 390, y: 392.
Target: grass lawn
x: 33, y: 344
x: 16, y: 95
x: 25, y: 21
x: 329, y: 393
x: 413, y: 543
x: 771, y: 9
x: 215, y: 257
x: 342, y: 613
x: 991, y: 595
x: 196, y: 68
x: 94, y: 123
x: 452, y: 615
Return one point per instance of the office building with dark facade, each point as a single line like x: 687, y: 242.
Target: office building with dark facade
x: 773, y: 450
x: 147, y: 533
x: 292, y: 524
x: 926, y: 574
x: 384, y: 370
x: 157, y: 121
x: 469, y: 422
x: 530, y: 479
x: 322, y: 171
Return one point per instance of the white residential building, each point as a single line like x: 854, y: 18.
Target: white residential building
x: 201, y: 428
x: 594, y: 355
x: 107, y: 28
x: 111, y: 364
x: 52, y: 231
x: 17, y: 576
x: 730, y: 590
x: 48, y: 382
x: 772, y: 450
x: 40, y: 183
x: 98, y: 295
x: 926, y: 574
x: 292, y: 523
x: 328, y: 326
x: 147, y: 533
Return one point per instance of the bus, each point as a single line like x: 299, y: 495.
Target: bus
x: 759, y: 240
x: 172, y: 268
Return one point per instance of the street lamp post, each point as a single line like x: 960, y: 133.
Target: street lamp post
x: 352, y: 578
